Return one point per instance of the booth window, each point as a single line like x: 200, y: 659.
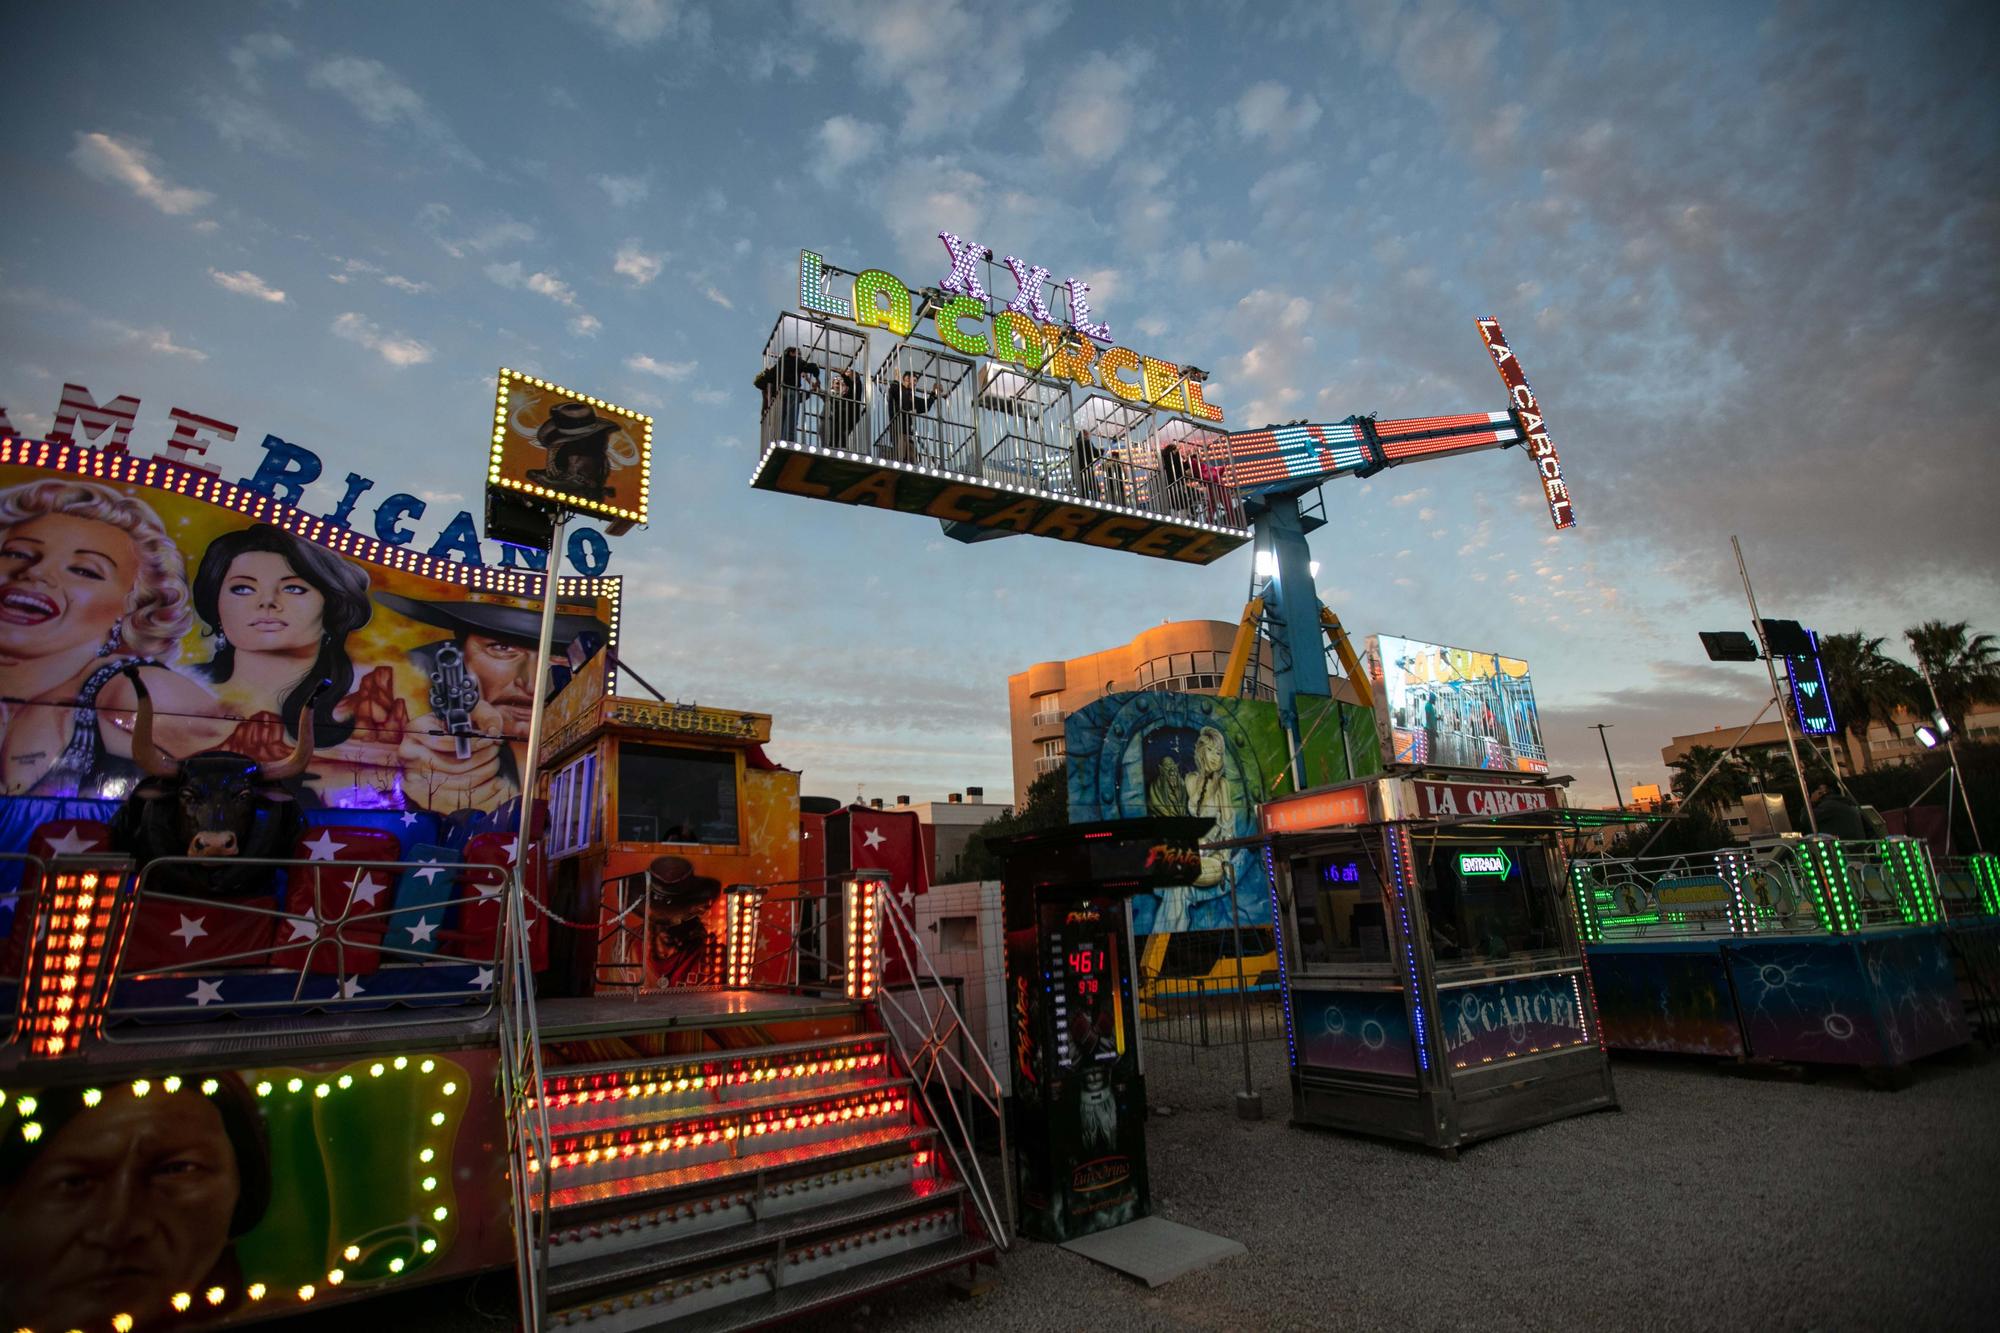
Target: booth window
x: 1337, y: 908
x: 1478, y: 914
x: 573, y: 807
x: 668, y: 795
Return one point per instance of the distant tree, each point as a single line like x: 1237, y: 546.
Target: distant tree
x: 1764, y: 768
x: 1725, y: 787
x: 1865, y: 685
x: 1046, y: 806
x: 1692, y: 830
x: 1964, y: 667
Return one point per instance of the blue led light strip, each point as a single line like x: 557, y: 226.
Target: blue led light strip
x: 1400, y: 856
x: 1278, y: 939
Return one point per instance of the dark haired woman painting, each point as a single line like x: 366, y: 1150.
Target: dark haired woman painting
x: 280, y: 610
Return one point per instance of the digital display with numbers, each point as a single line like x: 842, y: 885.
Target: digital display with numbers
x: 1082, y: 966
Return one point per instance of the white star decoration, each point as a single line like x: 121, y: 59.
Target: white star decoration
x: 482, y: 979
x: 421, y: 932
x: 907, y: 894
x: 350, y: 988
x: 513, y: 849
x: 872, y: 839
x: 304, y: 928
x: 206, y: 993
x: 409, y: 818
x: 432, y: 871
x: 71, y: 843
x: 366, y: 890
x: 191, y: 930
x: 323, y: 848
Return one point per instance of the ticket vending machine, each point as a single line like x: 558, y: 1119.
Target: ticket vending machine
x: 1079, y: 1105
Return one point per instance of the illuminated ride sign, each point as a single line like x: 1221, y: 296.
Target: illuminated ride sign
x: 555, y: 447
x: 1023, y: 332
x: 1042, y: 432
x: 1806, y: 675
x: 1528, y: 416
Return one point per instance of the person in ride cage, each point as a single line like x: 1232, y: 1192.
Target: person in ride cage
x: 784, y: 385
x: 1084, y: 457
x: 1174, y: 476
x: 905, y: 406
x: 843, y: 409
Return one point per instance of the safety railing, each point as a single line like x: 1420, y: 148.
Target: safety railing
x: 1202, y: 1012
x: 1812, y: 885
x: 528, y: 1138
x: 936, y: 1063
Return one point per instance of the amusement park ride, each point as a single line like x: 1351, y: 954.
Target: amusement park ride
x: 445, y: 956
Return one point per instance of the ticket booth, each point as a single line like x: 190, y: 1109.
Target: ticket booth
x: 1079, y: 1104
x: 1434, y: 984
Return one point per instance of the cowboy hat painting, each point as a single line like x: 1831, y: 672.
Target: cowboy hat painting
x: 579, y: 445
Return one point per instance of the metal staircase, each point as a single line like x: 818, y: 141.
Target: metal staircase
x: 736, y: 1189
x: 748, y: 1157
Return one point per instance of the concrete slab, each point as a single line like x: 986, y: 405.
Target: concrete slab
x: 1155, y: 1250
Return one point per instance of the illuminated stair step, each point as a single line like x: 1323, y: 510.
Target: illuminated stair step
x: 589, y: 1091
x: 803, y: 1281
x: 583, y: 1201
x: 812, y: 1219
x: 721, y: 1132
x: 585, y: 1233
x: 603, y: 1103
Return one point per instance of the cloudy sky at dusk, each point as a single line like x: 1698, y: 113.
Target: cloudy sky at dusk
x: 1749, y: 255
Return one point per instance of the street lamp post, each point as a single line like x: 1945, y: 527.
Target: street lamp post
x: 1951, y: 753
x: 1600, y: 728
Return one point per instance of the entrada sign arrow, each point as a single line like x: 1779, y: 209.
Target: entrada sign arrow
x: 1493, y: 863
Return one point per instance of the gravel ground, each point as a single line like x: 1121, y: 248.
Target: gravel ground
x: 1709, y: 1201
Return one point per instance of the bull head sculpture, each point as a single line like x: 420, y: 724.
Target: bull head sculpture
x: 217, y: 804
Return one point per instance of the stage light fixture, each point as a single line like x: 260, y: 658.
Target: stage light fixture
x: 1729, y: 645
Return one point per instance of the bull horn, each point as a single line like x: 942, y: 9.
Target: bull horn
x: 302, y: 753
x: 153, y: 762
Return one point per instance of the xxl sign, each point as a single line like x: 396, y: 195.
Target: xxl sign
x: 1023, y: 332
x: 1528, y: 412
x: 285, y: 472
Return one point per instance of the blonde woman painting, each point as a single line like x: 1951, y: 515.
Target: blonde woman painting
x: 89, y: 583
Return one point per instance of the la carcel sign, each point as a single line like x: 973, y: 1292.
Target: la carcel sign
x: 1472, y: 800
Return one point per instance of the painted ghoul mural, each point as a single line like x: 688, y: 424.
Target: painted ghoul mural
x: 117, y: 572
x: 1159, y: 753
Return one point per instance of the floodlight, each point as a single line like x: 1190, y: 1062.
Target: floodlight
x: 1927, y: 738
x: 1729, y: 645
x: 1787, y: 638
x: 1942, y: 723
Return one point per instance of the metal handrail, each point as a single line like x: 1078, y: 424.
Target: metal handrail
x: 526, y: 1109
x: 935, y: 1051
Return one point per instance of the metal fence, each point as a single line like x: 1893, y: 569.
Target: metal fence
x: 1201, y: 1012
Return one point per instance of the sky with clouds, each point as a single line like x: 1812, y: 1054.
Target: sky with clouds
x: 1748, y: 253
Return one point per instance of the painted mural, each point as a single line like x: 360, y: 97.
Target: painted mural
x: 1159, y: 753
x: 241, y: 616
x: 230, y: 1195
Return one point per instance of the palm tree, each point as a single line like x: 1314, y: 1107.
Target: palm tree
x: 1964, y: 667
x: 1726, y: 787
x: 1764, y: 768
x: 1865, y: 685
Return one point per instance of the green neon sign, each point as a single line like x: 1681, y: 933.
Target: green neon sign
x: 1493, y: 863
